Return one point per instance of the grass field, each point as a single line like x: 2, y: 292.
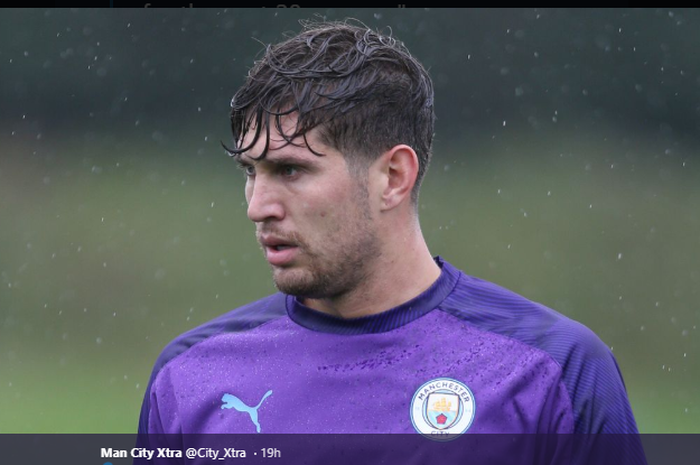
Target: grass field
x: 109, y: 249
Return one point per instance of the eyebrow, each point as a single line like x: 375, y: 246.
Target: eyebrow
x: 277, y: 160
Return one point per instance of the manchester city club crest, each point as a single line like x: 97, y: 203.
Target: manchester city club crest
x: 442, y: 409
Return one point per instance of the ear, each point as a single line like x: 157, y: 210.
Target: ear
x: 398, y: 171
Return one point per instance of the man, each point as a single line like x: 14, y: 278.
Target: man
x: 369, y: 333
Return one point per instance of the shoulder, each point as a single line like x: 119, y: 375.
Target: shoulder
x: 493, y: 308
x: 589, y: 370
x: 241, y: 319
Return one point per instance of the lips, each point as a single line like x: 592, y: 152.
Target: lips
x: 278, y: 251
x: 275, y: 241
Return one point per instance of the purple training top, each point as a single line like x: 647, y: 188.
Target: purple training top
x: 466, y: 356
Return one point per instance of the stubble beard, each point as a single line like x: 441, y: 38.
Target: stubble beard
x: 326, y: 277
x: 342, y: 269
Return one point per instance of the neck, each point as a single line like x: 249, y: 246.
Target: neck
x: 404, y: 270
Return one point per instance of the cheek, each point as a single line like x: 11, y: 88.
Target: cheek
x: 331, y: 202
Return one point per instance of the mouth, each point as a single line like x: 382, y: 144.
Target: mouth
x: 278, y: 251
x: 281, y: 247
x: 280, y: 255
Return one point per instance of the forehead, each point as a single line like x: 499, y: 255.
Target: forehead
x: 278, y: 143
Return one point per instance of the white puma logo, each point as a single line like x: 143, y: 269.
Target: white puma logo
x: 231, y: 401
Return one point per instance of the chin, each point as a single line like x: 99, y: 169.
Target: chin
x: 293, y: 282
x: 302, y: 286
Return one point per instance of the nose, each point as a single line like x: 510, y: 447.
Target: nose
x: 263, y: 201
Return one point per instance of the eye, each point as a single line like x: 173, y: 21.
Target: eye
x: 289, y: 170
x: 248, y: 170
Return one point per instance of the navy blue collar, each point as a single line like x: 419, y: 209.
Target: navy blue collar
x: 380, y: 322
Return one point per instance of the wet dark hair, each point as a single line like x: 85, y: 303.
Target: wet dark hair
x: 361, y: 89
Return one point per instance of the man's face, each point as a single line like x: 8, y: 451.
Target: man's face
x: 312, y: 217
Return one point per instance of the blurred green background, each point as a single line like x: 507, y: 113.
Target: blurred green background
x: 566, y: 168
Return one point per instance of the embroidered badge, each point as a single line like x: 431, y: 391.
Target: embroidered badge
x: 442, y: 409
